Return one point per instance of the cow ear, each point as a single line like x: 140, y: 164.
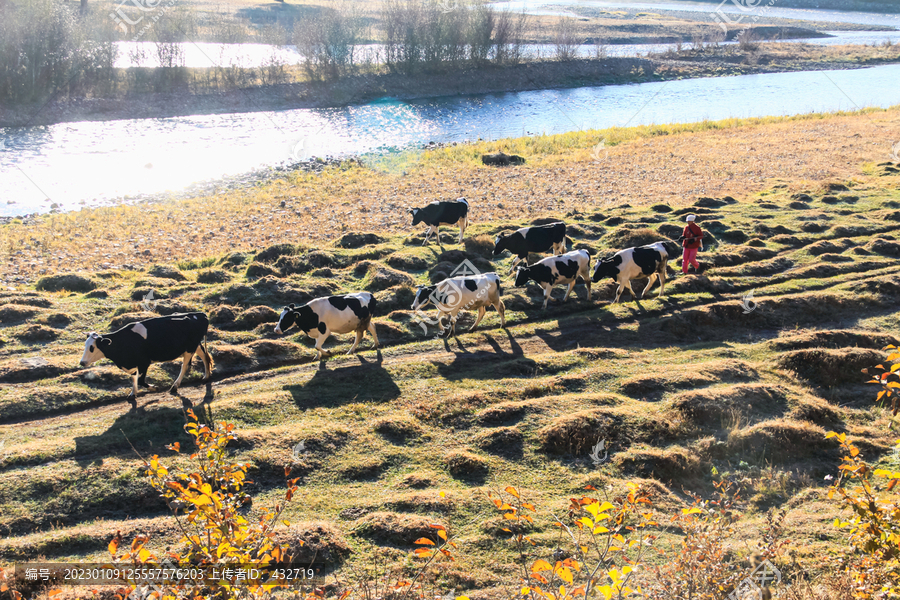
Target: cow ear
x: 291, y: 306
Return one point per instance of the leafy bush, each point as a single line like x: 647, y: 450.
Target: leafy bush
x: 217, y: 528
x: 875, y: 525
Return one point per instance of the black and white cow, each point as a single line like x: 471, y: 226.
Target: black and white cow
x: 321, y: 317
x: 462, y: 293
x: 442, y: 213
x: 539, y: 238
x: 637, y: 263
x: 554, y: 270
x: 134, y: 347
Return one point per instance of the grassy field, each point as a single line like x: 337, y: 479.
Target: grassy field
x: 803, y: 212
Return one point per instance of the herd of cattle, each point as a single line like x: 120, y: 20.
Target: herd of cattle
x: 135, y: 346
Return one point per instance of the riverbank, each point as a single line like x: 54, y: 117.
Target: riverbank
x: 710, y: 61
x: 638, y: 166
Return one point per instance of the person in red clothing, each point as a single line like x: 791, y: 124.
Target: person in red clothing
x: 692, y: 240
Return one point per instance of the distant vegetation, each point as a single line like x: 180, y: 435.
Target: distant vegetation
x: 888, y: 6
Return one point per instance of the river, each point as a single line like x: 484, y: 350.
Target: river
x: 94, y: 162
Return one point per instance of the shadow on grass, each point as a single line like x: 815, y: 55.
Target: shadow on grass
x: 368, y: 381
x: 506, y: 359
x: 148, y: 431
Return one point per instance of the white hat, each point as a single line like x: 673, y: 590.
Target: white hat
x: 690, y: 218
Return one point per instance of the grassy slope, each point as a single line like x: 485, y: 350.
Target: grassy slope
x: 676, y: 386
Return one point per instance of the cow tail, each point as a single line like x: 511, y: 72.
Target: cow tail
x: 499, y: 289
x: 212, y: 363
x: 568, y: 241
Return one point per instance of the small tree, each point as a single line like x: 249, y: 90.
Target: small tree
x: 216, y: 528
x: 873, y: 495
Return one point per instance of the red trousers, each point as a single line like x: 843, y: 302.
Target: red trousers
x: 689, y: 258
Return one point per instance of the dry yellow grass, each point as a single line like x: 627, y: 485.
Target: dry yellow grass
x: 674, y: 169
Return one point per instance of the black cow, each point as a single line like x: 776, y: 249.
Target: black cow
x: 553, y: 270
x: 501, y: 159
x: 321, y: 317
x: 540, y: 238
x: 442, y: 213
x: 134, y: 347
x: 637, y: 263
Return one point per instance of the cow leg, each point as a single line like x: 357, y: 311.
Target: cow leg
x: 547, y: 289
x: 359, y: 336
x: 651, y: 281
x: 619, y: 291
x: 185, y: 367
x: 569, y: 291
x: 481, y: 311
x: 445, y: 329
x: 502, y: 310
x: 427, y: 234
x: 662, y: 281
x: 630, y: 289
x: 132, y: 397
x: 462, y: 228
x: 516, y: 261
x: 452, y: 326
x: 319, y: 341
x: 142, y: 376
x: 207, y: 361
x: 586, y: 277
x: 374, y: 336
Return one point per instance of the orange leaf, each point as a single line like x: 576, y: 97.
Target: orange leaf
x: 540, y: 565
x: 511, y: 490
x: 114, y: 544
x: 424, y: 542
x: 442, y: 534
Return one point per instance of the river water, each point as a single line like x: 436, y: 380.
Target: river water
x: 96, y: 162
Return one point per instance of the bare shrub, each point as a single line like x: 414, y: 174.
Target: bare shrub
x: 228, y: 30
x: 45, y: 48
x: 747, y: 41
x: 565, y: 39
x: 600, y: 47
x: 330, y: 39
x: 509, y: 36
x: 480, y: 30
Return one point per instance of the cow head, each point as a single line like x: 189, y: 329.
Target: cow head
x: 423, y: 296
x: 417, y: 215
x: 94, y: 349
x: 523, y: 274
x: 606, y: 267
x: 500, y: 243
x: 287, y: 319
